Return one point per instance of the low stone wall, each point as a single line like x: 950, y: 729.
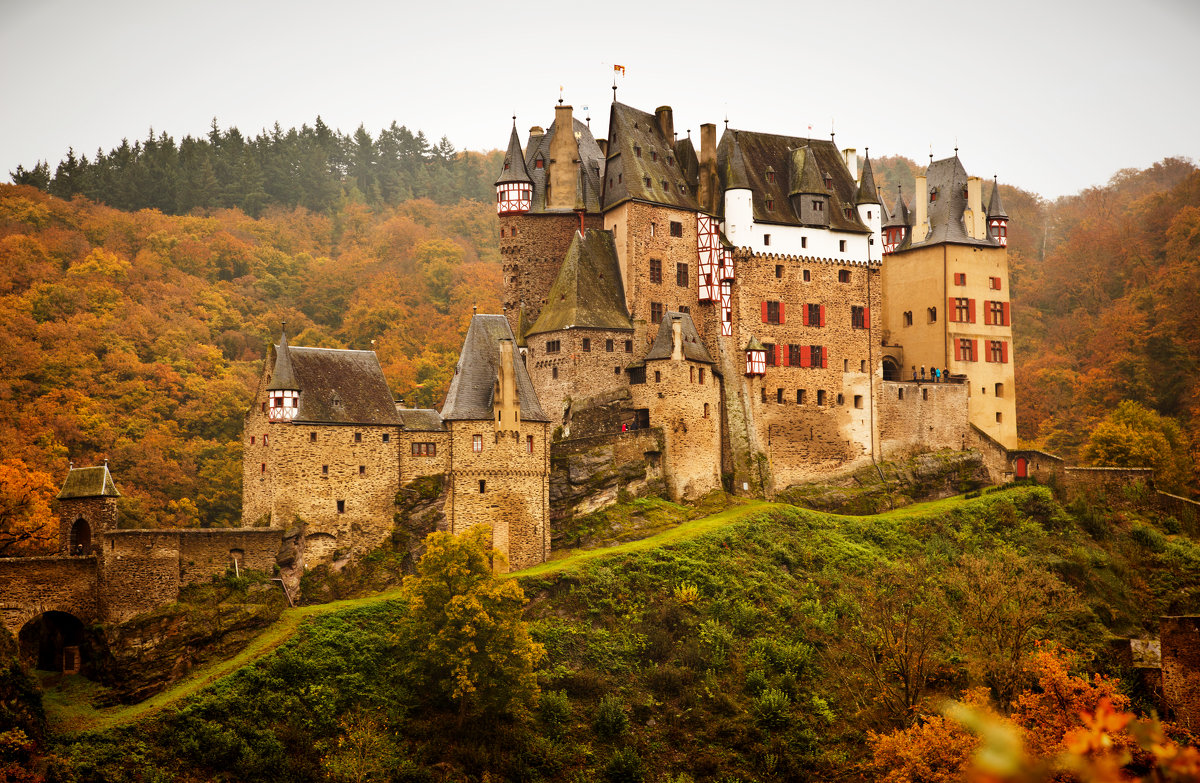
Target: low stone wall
x: 204, y: 553
x: 30, y: 586
x: 1088, y: 482
x: 1180, y: 638
x: 587, y: 474
x: 1186, y: 511
x: 918, y: 416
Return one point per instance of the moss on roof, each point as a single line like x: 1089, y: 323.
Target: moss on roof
x: 642, y: 163
x: 588, y: 293
x: 88, y: 483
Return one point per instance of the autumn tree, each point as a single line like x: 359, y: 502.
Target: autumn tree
x: 1135, y: 436
x: 465, y: 639
x: 27, y: 525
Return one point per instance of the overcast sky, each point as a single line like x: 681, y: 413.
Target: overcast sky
x: 1052, y: 96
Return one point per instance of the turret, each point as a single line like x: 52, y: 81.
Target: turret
x: 897, y: 223
x: 996, y: 216
x: 867, y: 199
x: 87, y: 509
x: 739, y: 198
x: 514, y: 189
x: 283, y: 392
x: 756, y: 357
x: 808, y: 192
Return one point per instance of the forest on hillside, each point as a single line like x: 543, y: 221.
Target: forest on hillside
x: 135, y: 335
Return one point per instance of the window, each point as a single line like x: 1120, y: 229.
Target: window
x: 676, y: 228
x: 764, y: 395
x: 358, y: 437
x: 932, y: 315
x: 994, y: 283
x: 539, y: 163
x: 807, y: 275
x: 999, y: 389
x: 997, y: 351
x: 251, y: 440
x: 608, y: 346
x: 779, y: 395
x: 815, y: 316
x: 646, y: 180
x: 554, y: 373
x: 818, y: 205
x: 264, y: 439
x: 770, y: 176
x: 324, y: 470
x: 341, y: 506
x: 933, y: 194
x: 264, y: 407
x: 924, y: 393
x: 804, y: 243
x: 770, y: 207
x: 960, y: 278
x: 653, y: 228
x: 653, y: 154
x: 477, y: 443
x: 771, y: 354
x: 843, y: 275
x: 845, y: 365
x: 819, y: 357
x: 683, y: 309
x: 424, y: 449
x: 800, y: 395
x: 964, y: 349
x: 842, y: 242
x: 362, y: 470
x: 908, y: 318
x: 482, y: 486
x: 386, y: 437
x: 996, y: 313
x: 553, y: 346
x: 828, y: 182
x: 637, y: 150
x: 706, y: 410
x: 264, y: 468
x: 999, y: 417
x: 587, y: 345
x: 691, y: 374
x: 858, y: 317
x: 841, y: 399
x: 701, y: 376
x: 656, y: 312
x: 629, y: 346
x: 778, y: 271
x: 862, y: 365
x: 681, y: 275
x: 657, y: 376
x: 637, y: 375
x: 820, y: 397
x: 502, y: 230
x: 962, y: 310
x: 616, y: 370
x: 772, y: 313
x: 528, y: 444
x: 793, y: 356
x: 901, y: 393
x: 858, y: 401
x: 766, y: 239
x: 656, y: 270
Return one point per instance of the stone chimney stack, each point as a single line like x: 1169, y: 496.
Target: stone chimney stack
x: 507, y: 404
x: 666, y: 123
x: 676, y: 339
x: 564, y: 160
x: 977, y: 224
x: 707, y: 190
x: 920, y: 229
x: 851, y: 157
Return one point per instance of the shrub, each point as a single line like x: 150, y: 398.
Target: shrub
x: 1148, y: 537
x: 772, y: 709
x: 756, y: 682
x: 686, y: 593
x: 554, y: 710
x: 625, y: 766
x: 610, y: 720
x: 716, y: 640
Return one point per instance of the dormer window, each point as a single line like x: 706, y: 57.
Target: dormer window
x: 770, y: 205
x: 647, y: 181
x: 637, y: 151
x: 770, y: 175
x: 506, y: 164
x: 653, y: 155
x: 670, y: 160
x: 933, y: 194
x: 828, y: 182
x: 540, y: 163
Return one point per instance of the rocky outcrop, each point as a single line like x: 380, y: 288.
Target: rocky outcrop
x: 588, y: 474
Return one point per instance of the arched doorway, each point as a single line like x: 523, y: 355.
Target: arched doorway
x: 81, y: 537
x: 1022, y: 468
x: 891, y: 370
x: 53, y: 642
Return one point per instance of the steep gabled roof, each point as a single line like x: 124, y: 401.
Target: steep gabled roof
x: 591, y: 161
x: 514, y: 161
x: 473, y: 386
x: 340, y: 387
x: 898, y: 217
x: 664, y: 342
x: 282, y: 376
x: 88, y: 483
x: 761, y: 151
x: 588, y: 293
x: 734, y: 170
x: 641, y: 177
x: 995, y: 208
x: 803, y: 175
x: 867, y: 192
x: 949, y: 179
x: 420, y: 420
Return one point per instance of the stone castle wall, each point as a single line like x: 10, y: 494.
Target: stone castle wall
x: 414, y: 466
x: 532, y: 248
x: 571, y: 373
x: 100, y: 513
x: 30, y: 586
x: 1091, y: 482
x: 503, y: 485
x: 916, y: 416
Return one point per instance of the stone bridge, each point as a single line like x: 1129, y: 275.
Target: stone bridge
x: 32, y: 586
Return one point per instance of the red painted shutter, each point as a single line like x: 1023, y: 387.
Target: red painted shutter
x: 957, y: 350
x: 764, y: 309
x: 781, y: 312
x: 805, y: 356
x: 1006, y: 314
x: 987, y: 354
x: 987, y: 312
x: 866, y: 318
x: 997, y: 284
x: 822, y: 315
x: 804, y: 313
x: 824, y: 355
x: 1004, y: 352
x: 951, y: 312
x: 974, y: 350
x: 787, y: 355
x: 971, y: 311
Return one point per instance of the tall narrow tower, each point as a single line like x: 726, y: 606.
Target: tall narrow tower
x: 283, y: 400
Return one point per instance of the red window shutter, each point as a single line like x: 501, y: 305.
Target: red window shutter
x: 974, y: 350
x: 824, y: 355
x: 804, y: 313
x: 1004, y: 352
x: 787, y: 355
x: 950, y: 310
x: 987, y: 312
x: 805, y: 356
x: 822, y: 315
x: 997, y: 284
x: 958, y: 350
x: 971, y: 311
x: 781, y: 312
x: 764, y: 309
x: 987, y: 353
x: 866, y: 318
x: 1006, y: 323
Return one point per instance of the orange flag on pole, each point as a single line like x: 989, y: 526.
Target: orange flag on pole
x: 619, y: 69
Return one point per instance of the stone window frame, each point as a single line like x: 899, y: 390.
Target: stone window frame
x: 681, y: 274
x: 820, y: 396
x: 629, y: 346
x: 424, y: 449
x: 656, y: 312
x: 324, y: 470
x: 843, y: 275
x: 656, y: 270
x: 358, y: 437
x: 858, y: 317
x: 362, y: 470
x: 801, y: 396
x: 529, y: 444
x: 387, y: 437
x: 676, y: 228
x: 807, y: 274
x: 608, y: 346
x: 779, y: 271
x: 586, y: 345
x: 476, y: 443
x: 312, y: 437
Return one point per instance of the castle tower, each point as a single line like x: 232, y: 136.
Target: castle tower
x: 897, y: 225
x: 514, y: 188
x: 996, y: 216
x: 87, y: 509
x: 867, y: 203
x: 283, y: 391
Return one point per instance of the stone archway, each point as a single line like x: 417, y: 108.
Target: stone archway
x: 81, y: 537
x: 54, y: 641
x: 891, y: 370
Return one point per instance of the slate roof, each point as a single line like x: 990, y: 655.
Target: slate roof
x: 664, y: 342
x: 282, y: 375
x: 949, y: 178
x: 629, y: 130
x: 995, y: 208
x: 867, y: 192
x: 339, y: 387
x: 762, y: 150
x: 803, y: 175
x: 590, y: 157
x: 755, y: 344
x: 898, y: 217
x: 588, y: 293
x: 733, y: 167
x: 88, y: 483
x: 514, y: 161
x: 420, y: 420
x: 472, y: 390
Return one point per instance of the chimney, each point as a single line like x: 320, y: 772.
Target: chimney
x: 536, y: 132
x: 564, y: 157
x: 603, y: 144
x: 977, y: 224
x: 851, y: 157
x: 666, y: 123
x: 920, y: 228
x: 707, y: 190
x: 677, y: 339
x: 507, y: 405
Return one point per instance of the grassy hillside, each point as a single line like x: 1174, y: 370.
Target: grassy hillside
x: 722, y: 649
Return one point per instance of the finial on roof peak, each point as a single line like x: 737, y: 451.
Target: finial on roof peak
x: 474, y: 309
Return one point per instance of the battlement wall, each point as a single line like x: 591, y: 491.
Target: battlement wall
x: 920, y: 416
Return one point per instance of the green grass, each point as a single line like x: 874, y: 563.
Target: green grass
x: 70, y: 710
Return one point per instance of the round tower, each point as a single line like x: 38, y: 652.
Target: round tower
x: 283, y: 392
x: 867, y: 201
x: 514, y: 188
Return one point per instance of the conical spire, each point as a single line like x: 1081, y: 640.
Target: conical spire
x: 282, y: 376
x: 867, y: 193
x: 995, y: 208
x: 735, y: 168
x: 898, y: 217
x: 514, y: 161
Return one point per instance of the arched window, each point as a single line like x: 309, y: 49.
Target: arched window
x: 81, y: 537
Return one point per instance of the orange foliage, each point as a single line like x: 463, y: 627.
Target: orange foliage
x: 27, y: 525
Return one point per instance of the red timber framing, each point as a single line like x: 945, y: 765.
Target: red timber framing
x: 708, y: 251
x: 513, y: 198
x: 726, y: 308
x: 756, y: 362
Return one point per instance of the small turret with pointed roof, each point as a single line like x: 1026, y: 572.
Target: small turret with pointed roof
x: 867, y: 192
x: 736, y: 177
x: 997, y: 218
x: 897, y: 224
x: 283, y: 391
x: 514, y: 188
